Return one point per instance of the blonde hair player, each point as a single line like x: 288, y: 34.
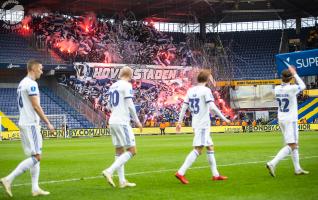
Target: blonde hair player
x: 122, y: 107
x: 286, y: 97
x: 199, y: 100
x: 29, y: 124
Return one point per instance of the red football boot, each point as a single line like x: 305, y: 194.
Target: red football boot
x: 219, y: 178
x: 181, y: 178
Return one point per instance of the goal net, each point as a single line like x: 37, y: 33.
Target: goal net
x: 10, y: 130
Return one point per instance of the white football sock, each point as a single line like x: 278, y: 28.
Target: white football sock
x: 121, y: 172
x: 285, y: 151
x: 192, y: 156
x: 212, y: 162
x: 295, y: 158
x: 35, y: 173
x: 121, y: 160
x: 21, y: 168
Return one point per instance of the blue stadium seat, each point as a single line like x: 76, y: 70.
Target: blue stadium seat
x: 51, y: 103
x: 15, y: 49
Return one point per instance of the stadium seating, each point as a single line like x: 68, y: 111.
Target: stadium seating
x: 15, y: 49
x: 251, y: 53
x: 51, y: 104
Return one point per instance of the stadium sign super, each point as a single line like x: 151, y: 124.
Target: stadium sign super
x: 306, y: 62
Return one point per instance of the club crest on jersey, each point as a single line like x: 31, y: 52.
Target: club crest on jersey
x: 33, y: 88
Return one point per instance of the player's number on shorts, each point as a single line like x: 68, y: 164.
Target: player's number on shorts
x: 114, y: 98
x: 283, y: 104
x: 20, y: 102
x: 194, y: 105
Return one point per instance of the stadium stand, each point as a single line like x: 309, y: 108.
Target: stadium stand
x: 14, y: 48
x: 250, y: 57
x: 51, y: 103
x: 153, y: 102
x: 246, y: 57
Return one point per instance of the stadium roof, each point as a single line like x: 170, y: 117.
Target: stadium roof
x: 211, y: 11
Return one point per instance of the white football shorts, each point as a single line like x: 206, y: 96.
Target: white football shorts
x: 202, y: 137
x: 31, y: 139
x: 290, y: 131
x: 122, y: 135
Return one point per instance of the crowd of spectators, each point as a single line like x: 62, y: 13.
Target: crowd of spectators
x: 154, y: 103
x: 158, y: 102
x: 88, y: 39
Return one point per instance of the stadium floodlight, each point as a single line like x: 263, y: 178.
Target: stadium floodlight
x: 254, y: 11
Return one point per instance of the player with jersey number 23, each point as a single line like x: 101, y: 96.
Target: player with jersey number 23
x: 200, y: 101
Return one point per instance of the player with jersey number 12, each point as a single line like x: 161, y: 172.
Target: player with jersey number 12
x: 286, y: 97
x: 200, y: 101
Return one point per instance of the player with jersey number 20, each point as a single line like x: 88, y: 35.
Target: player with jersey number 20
x: 122, y: 107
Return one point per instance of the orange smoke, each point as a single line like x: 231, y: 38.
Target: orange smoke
x: 68, y: 46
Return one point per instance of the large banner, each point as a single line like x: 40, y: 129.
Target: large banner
x: 306, y: 62
x: 141, y: 72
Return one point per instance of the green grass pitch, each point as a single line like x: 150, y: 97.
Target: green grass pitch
x: 71, y: 169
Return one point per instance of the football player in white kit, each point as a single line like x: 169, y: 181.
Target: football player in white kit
x: 122, y: 107
x: 286, y: 97
x: 199, y: 100
x: 29, y: 124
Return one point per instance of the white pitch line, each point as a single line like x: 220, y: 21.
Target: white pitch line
x: 151, y: 172
x: 285, y: 158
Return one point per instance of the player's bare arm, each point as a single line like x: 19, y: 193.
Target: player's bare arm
x: 38, y: 109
